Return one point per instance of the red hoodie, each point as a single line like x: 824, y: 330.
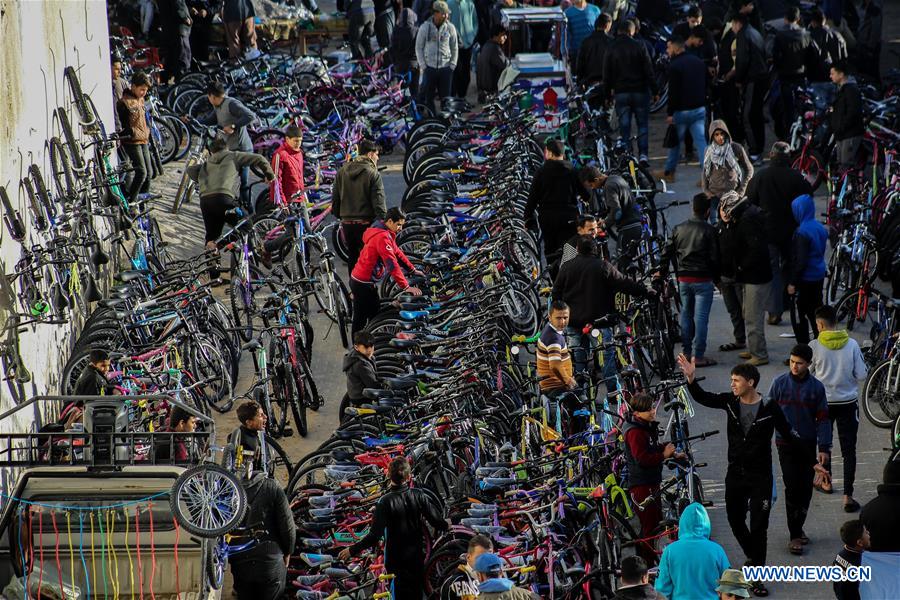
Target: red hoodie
x: 289, y: 171
x: 380, y: 257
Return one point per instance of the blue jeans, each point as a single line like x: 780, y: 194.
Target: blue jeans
x: 695, y: 122
x: 696, y: 301
x: 582, y: 347
x: 636, y: 104
x: 436, y: 82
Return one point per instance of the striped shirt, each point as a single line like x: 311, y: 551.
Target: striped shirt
x: 552, y: 348
x: 580, y: 25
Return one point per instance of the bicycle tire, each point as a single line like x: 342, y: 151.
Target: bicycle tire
x: 61, y: 170
x: 812, y: 166
x: 75, y: 151
x: 344, y: 311
x: 298, y: 403
x: 241, y: 301
x: 280, y: 467
x: 185, y: 189
x: 43, y: 200
x: 209, y: 478
x: 214, y: 564
x: 880, y: 410
x: 84, y: 111
x: 11, y: 217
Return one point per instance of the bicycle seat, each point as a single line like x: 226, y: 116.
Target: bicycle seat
x: 111, y: 302
x: 315, y: 560
x: 398, y: 343
x: 434, y: 210
x: 400, y: 383
x: 251, y: 346
x: 413, y: 315
x: 326, y: 255
x: 391, y: 403
x: 126, y: 276
x: 375, y: 393
x: 674, y: 405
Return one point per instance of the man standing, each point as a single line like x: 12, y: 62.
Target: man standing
x: 838, y: 363
x: 232, y: 117
x: 554, y: 363
x: 380, y: 257
x: 202, y: 13
x: 260, y: 573
x: 829, y: 46
x: 360, y: 26
x: 807, y: 266
x: 357, y: 198
x: 463, y: 584
x: 555, y: 192
x: 773, y: 189
x: 492, y: 61
x: 580, y: 18
x: 176, y: 26
x: 628, y: 74
x: 791, y: 54
x: 589, y: 65
x: 464, y: 18
x: 751, y: 419
x: 802, y: 398
x: 693, y: 249
x: 750, y: 75
x: 399, y: 517
x: 437, y: 51
x: 846, y: 117
x: 384, y: 23
x: 240, y: 29
x: 687, y: 102
x: 585, y: 225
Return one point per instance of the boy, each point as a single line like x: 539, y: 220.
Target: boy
x: 287, y: 162
x: 838, y: 363
x: 359, y: 366
x: 645, y: 456
x: 855, y: 537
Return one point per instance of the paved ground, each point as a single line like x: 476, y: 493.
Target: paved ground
x: 185, y: 232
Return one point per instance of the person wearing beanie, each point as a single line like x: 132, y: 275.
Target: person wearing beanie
x: 802, y: 398
x: 839, y: 364
x: 493, y: 585
x: 881, y: 515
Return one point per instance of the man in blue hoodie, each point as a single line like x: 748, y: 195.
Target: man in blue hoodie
x: 803, y: 401
x: 807, y: 266
x: 690, y: 568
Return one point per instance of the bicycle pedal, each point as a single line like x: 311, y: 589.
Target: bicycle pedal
x: 321, y: 401
x: 288, y: 432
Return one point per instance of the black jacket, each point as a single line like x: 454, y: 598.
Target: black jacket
x: 792, y: 53
x: 656, y: 11
x: 881, y: 516
x: 627, y: 67
x: 687, y: 83
x: 773, y: 189
x: 400, y: 512
x: 749, y: 455
x: 554, y: 191
x: 728, y: 248
x: 174, y: 16
x: 268, y: 509
x: 589, y: 66
x: 693, y: 249
x: 92, y: 382
x: 491, y: 63
x: 847, y: 113
x: 638, y: 592
x: 829, y: 48
x: 588, y: 284
x: 750, y: 56
x: 751, y: 260
x: 360, y: 372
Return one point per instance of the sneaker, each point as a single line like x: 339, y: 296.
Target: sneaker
x: 757, y: 362
x: 664, y: 175
x: 644, y: 161
x: 745, y: 355
x: 851, y: 506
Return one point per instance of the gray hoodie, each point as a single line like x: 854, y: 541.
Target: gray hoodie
x: 437, y: 47
x: 839, y: 364
x: 220, y: 173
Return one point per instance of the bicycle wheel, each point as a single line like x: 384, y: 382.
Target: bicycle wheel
x: 344, y: 311
x: 856, y: 310
x: 85, y: 114
x: 298, y: 402
x: 275, y: 408
x: 74, y: 146
x: 812, y: 166
x: 208, y: 501
x: 881, y: 394
x: 339, y: 243
x: 241, y: 299
x: 185, y: 189
x: 280, y: 466
x: 208, y: 366
x: 215, y: 560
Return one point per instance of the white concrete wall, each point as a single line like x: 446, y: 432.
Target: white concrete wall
x: 38, y: 39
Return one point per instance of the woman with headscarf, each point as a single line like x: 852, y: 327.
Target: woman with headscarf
x: 726, y: 166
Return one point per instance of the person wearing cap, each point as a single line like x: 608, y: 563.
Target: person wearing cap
x: 463, y: 583
x: 802, y: 398
x: 690, y: 567
x: 732, y: 585
x: 635, y: 581
x: 493, y: 585
x: 437, y: 51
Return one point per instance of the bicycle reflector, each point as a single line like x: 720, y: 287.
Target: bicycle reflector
x: 39, y: 308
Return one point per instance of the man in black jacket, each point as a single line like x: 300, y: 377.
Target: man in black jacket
x: 752, y: 271
x: 792, y: 53
x: 830, y: 47
x: 846, y: 117
x: 693, y: 249
x: 589, y: 66
x: 773, y: 189
x: 491, y: 62
x: 555, y: 194
x: 260, y: 573
x: 359, y: 367
x: 176, y: 26
x: 752, y: 421
x: 398, y: 518
x: 881, y: 515
x: 687, y: 102
x: 750, y: 75
x: 588, y: 284
x: 628, y: 75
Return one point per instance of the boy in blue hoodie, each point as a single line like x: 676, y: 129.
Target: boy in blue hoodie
x: 807, y: 272
x: 803, y: 401
x: 690, y: 568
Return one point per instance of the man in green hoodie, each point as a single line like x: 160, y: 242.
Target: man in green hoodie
x: 839, y: 364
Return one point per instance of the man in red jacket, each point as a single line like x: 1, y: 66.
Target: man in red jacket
x: 379, y: 258
x: 287, y: 162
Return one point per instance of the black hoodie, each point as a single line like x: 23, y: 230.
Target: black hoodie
x: 360, y: 372
x: 881, y: 515
x: 268, y: 509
